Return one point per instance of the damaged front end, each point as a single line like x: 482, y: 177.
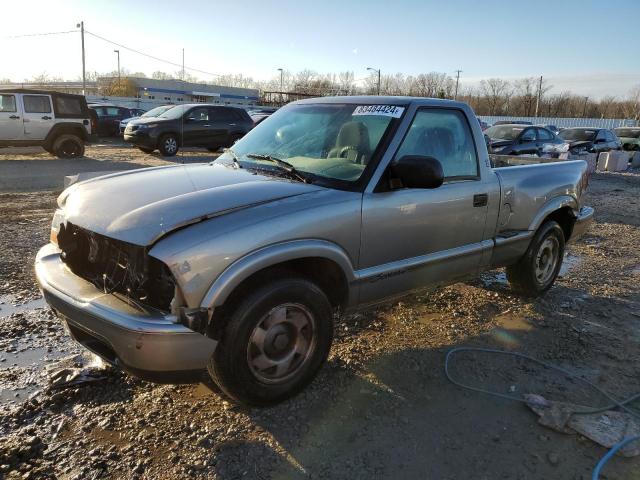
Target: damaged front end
x: 117, y: 267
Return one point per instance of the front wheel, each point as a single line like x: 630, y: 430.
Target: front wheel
x: 68, y: 146
x: 276, y: 339
x: 536, y: 271
x: 168, y: 145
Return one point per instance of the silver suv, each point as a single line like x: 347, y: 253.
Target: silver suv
x: 58, y: 122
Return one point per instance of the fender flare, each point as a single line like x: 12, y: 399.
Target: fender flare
x: 553, y: 205
x: 64, y: 128
x: 271, y: 255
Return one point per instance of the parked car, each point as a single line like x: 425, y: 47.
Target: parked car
x: 154, y: 112
x: 629, y: 137
x: 240, y: 263
x: 58, y: 122
x: 590, y: 140
x: 483, y: 125
x: 519, y: 139
x: 512, y: 122
x: 109, y: 117
x: 189, y: 125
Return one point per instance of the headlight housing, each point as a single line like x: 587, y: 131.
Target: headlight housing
x: 58, y: 220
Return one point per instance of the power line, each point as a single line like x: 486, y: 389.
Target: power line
x: 151, y: 56
x: 40, y: 34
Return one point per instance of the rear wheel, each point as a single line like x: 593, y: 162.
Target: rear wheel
x: 146, y: 150
x: 275, y: 341
x: 68, y: 146
x: 536, y: 271
x: 168, y: 145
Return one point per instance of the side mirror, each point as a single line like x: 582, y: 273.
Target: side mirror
x: 417, y: 171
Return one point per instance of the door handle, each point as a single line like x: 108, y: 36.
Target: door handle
x: 206, y: 125
x: 232, y: 124
x: 46, y: 117
x: 15, y: 117
x: 480, y: 200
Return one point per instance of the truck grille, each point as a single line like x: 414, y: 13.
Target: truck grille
x: 117, y: 267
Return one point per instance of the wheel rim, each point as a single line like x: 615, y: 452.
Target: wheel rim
x: 281, y: 343
x: 170, y: 145
x: 70, y: 149
x: 547, y: 260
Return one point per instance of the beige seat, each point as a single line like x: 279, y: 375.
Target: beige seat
x: 352, y: 143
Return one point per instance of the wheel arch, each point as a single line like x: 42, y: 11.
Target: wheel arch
x: 563, y: 210
x: 63, y: 129
x: 326, y: 263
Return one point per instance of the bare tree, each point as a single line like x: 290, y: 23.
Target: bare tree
x: 496, y: 92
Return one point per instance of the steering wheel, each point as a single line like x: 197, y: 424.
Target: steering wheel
x: 344, y: 153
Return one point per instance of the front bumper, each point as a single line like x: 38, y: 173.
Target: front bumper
x: 585, y: 218
x: 142, y: 341
x: 141, y: 139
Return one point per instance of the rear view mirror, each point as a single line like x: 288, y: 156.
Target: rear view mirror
x: 416, y: 171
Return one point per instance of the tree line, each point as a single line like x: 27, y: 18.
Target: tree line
x: 493, y: 96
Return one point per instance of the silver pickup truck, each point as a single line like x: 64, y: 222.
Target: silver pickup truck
x: 331, y: 204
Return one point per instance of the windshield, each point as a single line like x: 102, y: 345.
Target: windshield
x: 334, y: 141
x: 627, y: 132
x: 578, y: 134
x: 175, y: 112
x: 503, y: 132
x: 154, y: 112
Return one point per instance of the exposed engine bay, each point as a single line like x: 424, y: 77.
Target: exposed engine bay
x: 117, y: 267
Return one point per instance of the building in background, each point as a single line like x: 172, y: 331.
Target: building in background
x: 151, y: 90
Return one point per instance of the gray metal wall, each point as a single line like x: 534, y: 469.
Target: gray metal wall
x: 568, y: 122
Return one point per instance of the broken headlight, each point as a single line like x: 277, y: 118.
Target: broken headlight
x: 58, y: 220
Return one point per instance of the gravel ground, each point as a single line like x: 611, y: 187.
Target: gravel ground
x: 380, y: 408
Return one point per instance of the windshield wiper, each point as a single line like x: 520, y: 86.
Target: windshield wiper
x: 284, y: 165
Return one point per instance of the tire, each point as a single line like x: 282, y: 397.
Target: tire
x: 537, y: 270
x: 146, y: 150
x: 68, y: 146
x: 168, y: 145
x: 276, y: 339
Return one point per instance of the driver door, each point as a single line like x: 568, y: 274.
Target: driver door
x: 411, y: 237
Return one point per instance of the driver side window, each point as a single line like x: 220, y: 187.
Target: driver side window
x: 444, y: 135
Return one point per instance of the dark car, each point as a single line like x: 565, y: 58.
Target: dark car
x: 109, y: 117
x: 590, y: 140
x: 629, y: 137
x: 189, y: 125
x: 258, y: 117
x: 512, y: 122
x: 519, y: 139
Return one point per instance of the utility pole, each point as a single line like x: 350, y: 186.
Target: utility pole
x: 119, y: 80
x: 182, y: 78
x: 84, y: 76
x: 281, y: 84
x: 458, y: 72
x: 378, y: 71
x: 539, y: 95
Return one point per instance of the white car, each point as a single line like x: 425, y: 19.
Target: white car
x: 61, y: 123
x: 154, y: 112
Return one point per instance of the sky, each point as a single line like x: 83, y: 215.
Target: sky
x: 584, y: 46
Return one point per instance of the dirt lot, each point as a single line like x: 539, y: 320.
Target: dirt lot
x: 380, y: 408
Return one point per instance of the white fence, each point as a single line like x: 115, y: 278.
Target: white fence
x: 568, y: 122
x: 143, y: 103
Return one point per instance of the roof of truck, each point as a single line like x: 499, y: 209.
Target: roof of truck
x: 38, y: 92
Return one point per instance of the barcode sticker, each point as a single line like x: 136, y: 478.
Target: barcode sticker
x: 383, y: 110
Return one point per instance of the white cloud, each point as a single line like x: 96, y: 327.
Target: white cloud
x: 355, y: 51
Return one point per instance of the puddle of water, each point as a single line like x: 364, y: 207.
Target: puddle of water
x: 7, y: 308
x: 569, y: 263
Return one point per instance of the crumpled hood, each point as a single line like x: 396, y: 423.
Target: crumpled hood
x: 141, y: 206
x: 497, y: 142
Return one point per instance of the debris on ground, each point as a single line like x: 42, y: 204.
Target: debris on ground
x: 606, y: 428
x: 76, y: 370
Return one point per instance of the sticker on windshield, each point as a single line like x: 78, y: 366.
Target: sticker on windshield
x: 383, y: 110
